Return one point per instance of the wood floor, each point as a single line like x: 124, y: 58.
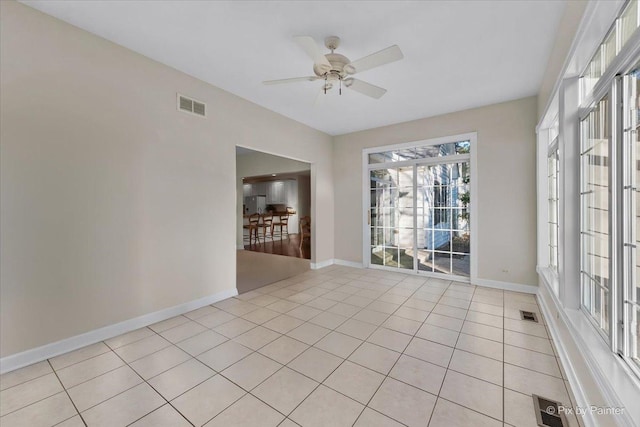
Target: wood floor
x: 286, y: 246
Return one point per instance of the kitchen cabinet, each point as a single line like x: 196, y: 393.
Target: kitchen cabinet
x: 259, y: 189
x: 274, y: 190
x: 269, y: 192
x: 291, y: 193
x: 277, y: 192
x: 283, y: 192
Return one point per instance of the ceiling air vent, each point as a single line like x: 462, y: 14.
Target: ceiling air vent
x: 192, y: 106
x: 548, y: 413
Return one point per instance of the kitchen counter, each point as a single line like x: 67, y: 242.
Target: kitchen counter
x: 275, y: 214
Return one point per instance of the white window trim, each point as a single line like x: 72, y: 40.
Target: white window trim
x: 615, y: 380
x: 472, y: 137
x: 554, y: 147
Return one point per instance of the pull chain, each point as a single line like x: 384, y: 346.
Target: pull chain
x: 340, y: 91
x: 325, y: 84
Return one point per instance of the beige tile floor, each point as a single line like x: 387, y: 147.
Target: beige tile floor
x: 333, y: 347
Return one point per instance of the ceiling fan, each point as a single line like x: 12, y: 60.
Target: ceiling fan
x: 336, y: 68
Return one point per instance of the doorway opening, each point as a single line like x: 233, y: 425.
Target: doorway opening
x: 273, y: 207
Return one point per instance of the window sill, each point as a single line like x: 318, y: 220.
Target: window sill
x: 617, y: 383
x: 550, y: 278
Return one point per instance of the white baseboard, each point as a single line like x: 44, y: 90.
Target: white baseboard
x: 348, y: 263
x: 28, y: 357
x: 550, y: 306
x: 507, y: 286
x: 240, y: 247
x: 572, y: 376
x: 327, y: 263
x: 321, y: 264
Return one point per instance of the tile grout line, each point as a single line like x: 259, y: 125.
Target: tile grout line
x: 211, y: 329
x: 387, y: 375
x: 459, y: 404
x: 283, y: 366
x: 153, y: 353
x: 257, y: 351
x: 152, y: 387
x: 337, y: 367
x: 504, y: 409
x: 147, y: 382
x: 452, y: 353
x: 410, y: 385
x: 300, y: 290
x: 30, y: 379
x: 80, y: 361
x: 239, y: 360
x: 402, y: 352
x: 192, y: 357
x: 68, y: 396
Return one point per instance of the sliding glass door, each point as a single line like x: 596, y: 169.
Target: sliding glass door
x: 419, y: 209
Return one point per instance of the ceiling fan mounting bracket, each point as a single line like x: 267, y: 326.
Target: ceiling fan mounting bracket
x: 332, y: 42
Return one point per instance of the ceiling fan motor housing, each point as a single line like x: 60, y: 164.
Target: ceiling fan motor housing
x: 338, y: 63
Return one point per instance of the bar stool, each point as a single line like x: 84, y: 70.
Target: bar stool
x: 254, y: 223
x: 283, y: 223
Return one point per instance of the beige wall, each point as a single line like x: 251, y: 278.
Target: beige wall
x: 573, y: 12
x: 506, y: 184
x: 258, y: 164
x: 114, y: 204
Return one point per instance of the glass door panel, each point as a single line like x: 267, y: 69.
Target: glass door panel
x: 405, y: 218
x: 391, y: 228
x: 443, y: 239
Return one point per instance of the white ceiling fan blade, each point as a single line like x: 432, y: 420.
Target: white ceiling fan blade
x: 292, y: 80
x: 309, y: 45
x: 385, y: 56
x: 365, y: 88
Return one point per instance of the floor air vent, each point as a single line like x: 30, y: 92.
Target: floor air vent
x: 192, y: 106
x: 529, y: 316
x: 548, y: 412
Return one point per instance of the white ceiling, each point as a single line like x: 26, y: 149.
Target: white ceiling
x: 458, y: 54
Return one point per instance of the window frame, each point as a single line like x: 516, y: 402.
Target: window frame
x: 612, y: 212
x: 618, y: 383
x: 611, y: 84
x: 554, y: 151
x: 627, y: 220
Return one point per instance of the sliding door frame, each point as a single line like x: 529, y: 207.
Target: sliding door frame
x: 473, y: 205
